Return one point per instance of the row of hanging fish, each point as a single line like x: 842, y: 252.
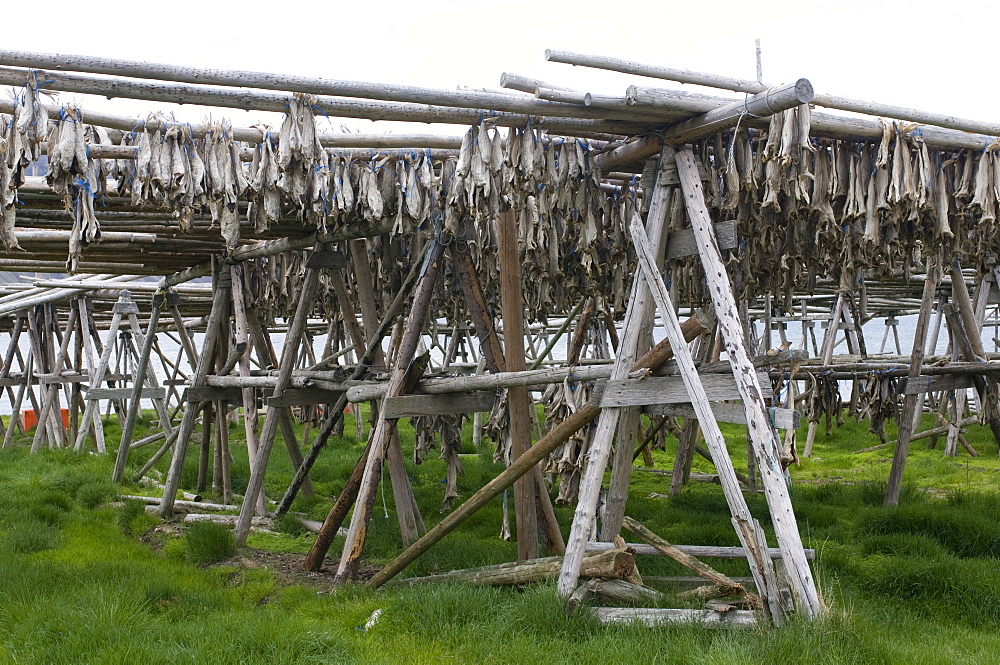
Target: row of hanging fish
x: 21, y: 138
x: 813, y: 208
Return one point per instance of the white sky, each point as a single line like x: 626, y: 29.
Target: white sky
x: 917, y: 54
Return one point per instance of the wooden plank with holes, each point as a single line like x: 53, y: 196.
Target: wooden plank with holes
x: 683, y: 243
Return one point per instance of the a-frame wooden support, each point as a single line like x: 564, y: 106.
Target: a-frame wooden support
x: 764, y: 439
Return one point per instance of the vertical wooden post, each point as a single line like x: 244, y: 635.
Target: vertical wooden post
x: 905, y: 420
x: 607, y: 423
x: 249, y: 398
x: 94, y: 426
x: 621, y: 465
x: 763, y: 436
x: 206, y: 447
x: 518, y: 401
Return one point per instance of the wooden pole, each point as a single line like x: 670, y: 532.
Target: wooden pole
x: 987, y: 390
x: 607, y: 424
x: 219, y: 306
x: 563, y: 118
x: 242, y: 345
x: 289, y: 354
x: 336, y: 413
x: 358, y: 529
x: 407, y: 513
x: 761, y: 434
x: 536, y: 453
x: 760, y: 565
x: 905, y: 420
x: 518, y: 401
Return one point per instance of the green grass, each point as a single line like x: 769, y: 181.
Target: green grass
x: 913, y: 584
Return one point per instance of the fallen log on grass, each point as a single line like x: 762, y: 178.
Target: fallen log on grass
x: 618, y: 590
x: 265, y: 522
x: 613, y: 564
x: 656, y: 616
x: 181, y: 506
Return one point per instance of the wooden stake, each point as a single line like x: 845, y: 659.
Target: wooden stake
x: 518, y: 400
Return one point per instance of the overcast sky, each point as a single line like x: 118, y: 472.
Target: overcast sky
x: 934, y: 56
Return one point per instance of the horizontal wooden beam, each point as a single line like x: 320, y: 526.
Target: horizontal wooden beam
x: 432, y: 405
x: 125, y: 393
x: 707, y: 551
x: 658, y: 616
x: 726, y: 412
x: 668, y: 390
x: 933, y: 384
x: 304, y: 396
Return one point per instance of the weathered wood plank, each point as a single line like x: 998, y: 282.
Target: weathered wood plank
x: 682, y: 243
x: 406, y: 406
x: 927, y: 384
x: 657, y: 616
x: 125, y: 393
x: 303, y: 396
x: 668, y: 390
x: 212, y: 394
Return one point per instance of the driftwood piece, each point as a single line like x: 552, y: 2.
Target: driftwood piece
x: 611, y: 564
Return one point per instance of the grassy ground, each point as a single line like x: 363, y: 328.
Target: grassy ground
x: 82, y: 583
